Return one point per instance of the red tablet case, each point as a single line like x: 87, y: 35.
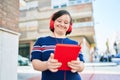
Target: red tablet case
x: 65, y: 53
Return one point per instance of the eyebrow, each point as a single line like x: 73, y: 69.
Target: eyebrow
x: 62, y: 19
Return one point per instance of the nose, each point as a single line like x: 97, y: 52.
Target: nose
x: 62, y: 23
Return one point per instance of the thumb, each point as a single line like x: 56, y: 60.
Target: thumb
x: 78, y: 58
x: 52, y: 56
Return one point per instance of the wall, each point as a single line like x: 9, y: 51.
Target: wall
x: 8, y: 54
x: 9, y: 13
x: 9, y: 36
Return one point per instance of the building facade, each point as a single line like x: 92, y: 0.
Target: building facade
x: 35, y: 16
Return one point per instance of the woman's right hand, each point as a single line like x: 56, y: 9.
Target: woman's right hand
x: 53, y: 64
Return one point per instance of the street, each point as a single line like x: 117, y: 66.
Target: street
x: 92, y: 71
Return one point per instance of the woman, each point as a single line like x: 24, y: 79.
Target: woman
x: 42, y: 56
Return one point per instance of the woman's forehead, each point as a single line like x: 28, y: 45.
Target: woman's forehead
x: 64, y: 17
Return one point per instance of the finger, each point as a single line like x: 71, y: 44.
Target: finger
x: 56, y: 65
x: 73, y: 66
x: 53, y: 60
x: 74, y: 62
x: 72, y: 70
x: 53, y: 70
x: 78, y: 58
x: 52, y: 56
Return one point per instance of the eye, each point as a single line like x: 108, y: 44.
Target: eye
x: 59, y: 21
x: 66, y: 22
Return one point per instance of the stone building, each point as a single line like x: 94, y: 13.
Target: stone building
x: 35, y: 16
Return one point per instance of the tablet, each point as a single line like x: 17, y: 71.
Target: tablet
x: 65, y: 53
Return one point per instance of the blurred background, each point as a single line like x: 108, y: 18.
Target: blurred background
x: 95, y: 24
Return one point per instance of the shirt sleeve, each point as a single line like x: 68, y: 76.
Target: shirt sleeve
x: 36, y: 51
x: 81, y: 57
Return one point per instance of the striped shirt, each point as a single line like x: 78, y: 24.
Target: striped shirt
x: 42, y: 49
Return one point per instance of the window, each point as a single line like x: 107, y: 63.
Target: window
x: 63, y: 5
x: 86, y: 0
x: 72, y: 2
x: 55, y: 7
x: 79, y: 1
x: 59, y: 3
x: 24, y: 50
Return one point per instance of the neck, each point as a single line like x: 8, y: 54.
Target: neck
x: 59, y: 35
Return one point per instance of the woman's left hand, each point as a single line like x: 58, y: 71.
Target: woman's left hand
x: 76, y: 65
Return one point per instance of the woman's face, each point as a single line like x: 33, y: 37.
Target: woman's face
x: 61, y: 24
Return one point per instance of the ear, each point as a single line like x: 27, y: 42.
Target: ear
x: 51, y: 24
x: 70, y: 28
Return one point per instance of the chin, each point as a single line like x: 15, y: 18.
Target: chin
x: 61, y: 32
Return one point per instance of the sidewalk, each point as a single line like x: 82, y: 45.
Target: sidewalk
x: 102, y: 68
x: 92, y: 71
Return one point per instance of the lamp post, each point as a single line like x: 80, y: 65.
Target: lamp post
x: 115, y: 47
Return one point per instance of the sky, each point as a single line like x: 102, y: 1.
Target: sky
x: 107, y: 20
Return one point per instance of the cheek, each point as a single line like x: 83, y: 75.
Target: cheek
x: 67, y: 27
x: 56, y: 23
